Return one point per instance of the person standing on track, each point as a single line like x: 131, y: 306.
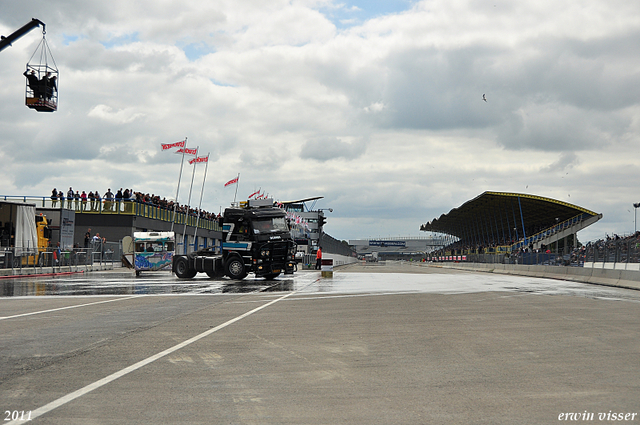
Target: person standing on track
x: 319, y: 258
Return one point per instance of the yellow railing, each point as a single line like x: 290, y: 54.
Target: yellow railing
x: 111, y: 207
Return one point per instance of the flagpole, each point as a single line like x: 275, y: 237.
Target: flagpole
x: 237, y: 184
x: 201, y: 193
x: 184, y: 235
x: 175, y: 203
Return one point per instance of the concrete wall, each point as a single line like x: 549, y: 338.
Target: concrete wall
x: 595, y: 275
x: 339, y: 260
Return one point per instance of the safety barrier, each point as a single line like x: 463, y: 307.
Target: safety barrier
x: 609, y: 277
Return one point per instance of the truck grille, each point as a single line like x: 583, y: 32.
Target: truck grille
x: 277, y: 250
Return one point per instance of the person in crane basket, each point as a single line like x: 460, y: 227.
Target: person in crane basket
x: 34, y: 83
x: 48, y: 85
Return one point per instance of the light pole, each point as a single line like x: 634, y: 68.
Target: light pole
x: 635, y: 220
x: 321, y: 221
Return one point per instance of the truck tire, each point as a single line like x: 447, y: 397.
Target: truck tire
x: 182, y: 269
x: 234, y: 268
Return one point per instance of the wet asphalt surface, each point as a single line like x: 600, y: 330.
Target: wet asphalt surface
x: 391, y: 277
x: 376, y: 343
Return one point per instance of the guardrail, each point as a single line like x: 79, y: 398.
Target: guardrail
x: 541, y: 236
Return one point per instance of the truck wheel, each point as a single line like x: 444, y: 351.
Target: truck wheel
x: 271, y: 276
x: 234, y: 268
x: 182, y: 269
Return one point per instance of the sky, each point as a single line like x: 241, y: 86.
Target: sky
x: 377, y: 106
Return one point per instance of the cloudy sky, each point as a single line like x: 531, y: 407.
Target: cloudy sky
x: 374, y: 105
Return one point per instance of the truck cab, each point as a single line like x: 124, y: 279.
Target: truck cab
x: 255, y: 239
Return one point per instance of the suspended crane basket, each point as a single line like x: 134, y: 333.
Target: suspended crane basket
x: 41, y: 91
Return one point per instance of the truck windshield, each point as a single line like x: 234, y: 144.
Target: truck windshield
x: 270, y: 225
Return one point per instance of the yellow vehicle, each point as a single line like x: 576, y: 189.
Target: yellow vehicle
x: 44, y: 235
x: 38, y: 257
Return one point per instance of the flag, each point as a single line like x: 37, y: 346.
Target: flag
x: 253, y: 194
x: 166, y: 146
x: 188, y: 151
x: 199, y: 159
x: 232, y: 181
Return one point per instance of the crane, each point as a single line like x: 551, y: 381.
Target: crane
x: 6, y: 41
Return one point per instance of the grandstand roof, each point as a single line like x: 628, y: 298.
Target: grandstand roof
x: 501, y: 213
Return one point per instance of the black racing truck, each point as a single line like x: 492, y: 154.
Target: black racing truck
x: 255, y: 239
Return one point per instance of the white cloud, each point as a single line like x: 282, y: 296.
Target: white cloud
x: 106, y: 113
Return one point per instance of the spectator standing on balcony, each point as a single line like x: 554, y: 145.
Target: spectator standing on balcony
x: 108, y: 199
x: 61, y: 198
x: 83, y: 197
x: 70, y: 197
x: 76, y: 196
x: 118, y: 199
x: 54, y: 197
x: 92, y: 201
x: 98, y: 199
x: 127, y: 203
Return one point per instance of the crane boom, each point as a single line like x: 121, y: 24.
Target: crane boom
x: 6, y: 41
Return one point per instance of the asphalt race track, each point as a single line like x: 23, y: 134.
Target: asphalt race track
x: 394, y: 343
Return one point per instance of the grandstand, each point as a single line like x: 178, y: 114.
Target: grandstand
x: 502, y: 223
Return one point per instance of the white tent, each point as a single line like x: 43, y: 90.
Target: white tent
x: 26, y: 236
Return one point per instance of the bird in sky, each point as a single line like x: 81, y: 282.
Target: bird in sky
x: 484, y: 97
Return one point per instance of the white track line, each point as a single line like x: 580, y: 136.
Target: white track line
x: 104, y: 381
x: 68, y: 307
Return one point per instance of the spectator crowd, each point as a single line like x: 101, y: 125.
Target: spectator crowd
x: 122, y: 201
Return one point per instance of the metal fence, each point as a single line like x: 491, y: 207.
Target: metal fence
x: 527, y: 258
x: 621, y: 250
x: 38, y: 258
x: 624, y: 250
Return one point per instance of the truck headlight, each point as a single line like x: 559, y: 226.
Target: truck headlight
x: 264, y: 253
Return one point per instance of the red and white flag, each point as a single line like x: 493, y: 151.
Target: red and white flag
x: 199, y: 159
x: 232, y: 181
x: 167, y: 146
x: 188, y: 151
x: 253, y: 194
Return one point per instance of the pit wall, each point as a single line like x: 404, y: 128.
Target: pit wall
x: 309, y: 261
x: 50, y: 271
x: 339, y: 260
x: 590, y: 273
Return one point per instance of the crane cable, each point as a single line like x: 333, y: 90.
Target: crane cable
x: 43, y: 46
